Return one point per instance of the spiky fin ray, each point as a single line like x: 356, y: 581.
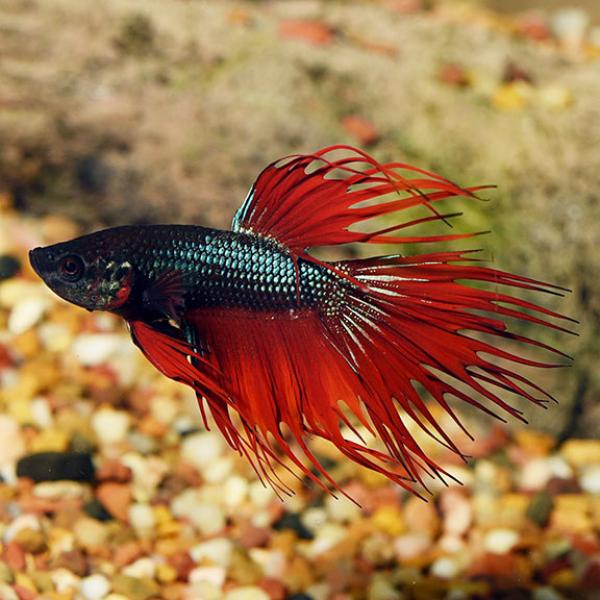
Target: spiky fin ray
x: 304, y: 208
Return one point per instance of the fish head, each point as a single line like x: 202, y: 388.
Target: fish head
x: 84, y: 272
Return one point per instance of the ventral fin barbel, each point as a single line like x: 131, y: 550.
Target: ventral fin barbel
x: 300, y: 347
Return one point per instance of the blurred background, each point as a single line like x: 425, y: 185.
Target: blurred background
x: 130, y: 111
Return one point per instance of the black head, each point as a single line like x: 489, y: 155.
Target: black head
x: 88, y: 271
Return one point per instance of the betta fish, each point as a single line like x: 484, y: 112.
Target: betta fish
x: 281, y: 346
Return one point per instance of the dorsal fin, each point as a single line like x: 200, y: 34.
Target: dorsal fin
x: 310, y: 200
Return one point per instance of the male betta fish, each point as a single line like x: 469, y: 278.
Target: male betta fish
x: 299, y: 347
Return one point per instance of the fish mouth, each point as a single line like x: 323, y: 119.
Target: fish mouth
x: 36, y: 259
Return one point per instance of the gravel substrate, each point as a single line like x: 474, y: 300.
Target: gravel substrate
x: 111, y: 489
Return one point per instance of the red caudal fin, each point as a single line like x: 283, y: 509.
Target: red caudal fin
x: 311, y: 200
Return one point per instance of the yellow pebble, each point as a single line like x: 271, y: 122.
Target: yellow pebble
x: 162, y: 514
x: 372, y: 479
x: 165, y: 573
x: 50, y: 440
x: 512, y: 96
x: 564, y: 578
x: 389, y: 520
x: 24, y: 581
x: 19, y: 410
x: 581, y: 452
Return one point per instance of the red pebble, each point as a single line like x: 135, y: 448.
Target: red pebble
x: 314, y: 32
x: 14, y: 556
x: 24, y: 593
x: 453, y: 74
x: 254, y: 537
x: 127, y: 553
x: 534, y: 27
x: 116, y: 498
x: 405, y: 6
x: 360, y: 129
x: 183, y: 563
x: 5, y: 358
x: 274, y: 588
x: 591, y: 576
x: 113, y: 470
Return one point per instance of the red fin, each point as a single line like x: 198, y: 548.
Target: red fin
x: 284, y: 371
x: 303, y: 207
x: 171, y: 356
x: 178, y: 360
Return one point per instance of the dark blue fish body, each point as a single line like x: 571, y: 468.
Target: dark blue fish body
x: 196, y: 266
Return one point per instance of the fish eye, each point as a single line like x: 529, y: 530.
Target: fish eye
x: 71, y: 267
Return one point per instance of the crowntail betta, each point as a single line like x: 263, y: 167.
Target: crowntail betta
x: 300, y: 347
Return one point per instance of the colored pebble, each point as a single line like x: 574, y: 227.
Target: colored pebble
x: 94, y: 587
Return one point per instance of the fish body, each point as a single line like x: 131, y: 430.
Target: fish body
x: 210, y: 268
x: 297, y: 347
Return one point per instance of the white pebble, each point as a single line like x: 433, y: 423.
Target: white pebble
x: 411, y: 545
x: 13, y: 291
x: 458, y: 512
x: 143, y: 567
x: 202, y: 589
x: 26, y: 314
x: 260, y: 494
x: 590, y: 480
x: 500, y: 540
x: 217, y: 550
x: 319, y: 591
x: 41, y: 413
x: 64, y: 581
x: 342, y: 509
x: 59, y: 490
x: 444, y: 568
x: 55, y: 337
x: 213, y: 575
x: 535, y: 474
x: 569, y: 25
x: 7, y: 593
x: 142, y: 518
x: 13, y: 445
x: 451, y: 543
x: 207, y: 518
x: 327, y: 537
x: 249, y: 592
x: 202, y: 449
x: 110, y: 425
x: 94, y: 587
x: 313, y: 518
x: 21, y: 522
x: 560, y: 467
x: 164, y: 409
x: 94, y: 349
x: 235, y: 491
x: 218, y: 470
x: 272, y: 562
x: 262, y: 518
